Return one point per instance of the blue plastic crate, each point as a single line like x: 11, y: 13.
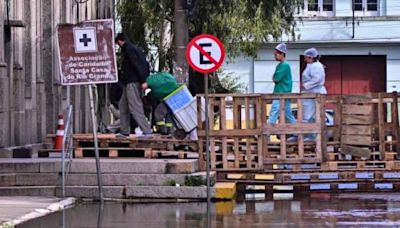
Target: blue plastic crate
x: 179, y: 99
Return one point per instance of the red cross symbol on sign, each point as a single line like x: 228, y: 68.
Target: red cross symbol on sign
x: 205, y: 53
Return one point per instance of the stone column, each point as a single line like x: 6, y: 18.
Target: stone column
x: 4, y: 92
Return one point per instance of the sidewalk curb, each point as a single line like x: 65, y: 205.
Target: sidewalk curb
x: 55, y: 207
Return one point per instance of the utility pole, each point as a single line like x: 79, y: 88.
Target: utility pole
x: 181, y: 69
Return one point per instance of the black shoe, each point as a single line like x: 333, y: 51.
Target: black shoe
x: 162, y: 130
x: 121, y: 136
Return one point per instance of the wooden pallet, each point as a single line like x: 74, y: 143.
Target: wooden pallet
x: 157, y: 142
x: 83, y: 152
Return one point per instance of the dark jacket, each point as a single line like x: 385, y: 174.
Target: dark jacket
x: 131, y: 66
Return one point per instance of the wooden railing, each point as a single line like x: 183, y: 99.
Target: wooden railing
x: 241, y: 138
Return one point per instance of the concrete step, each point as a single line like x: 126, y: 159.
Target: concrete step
x: 123, y: 179
x: 28, y: 191
x: 117, y: 192
x: 168, y: 192
x: 74, y: 191
x: 52, y: 165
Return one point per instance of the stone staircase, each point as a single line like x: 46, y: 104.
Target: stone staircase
x: 122, y: 178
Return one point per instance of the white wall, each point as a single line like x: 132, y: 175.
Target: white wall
x: 342, y: 29
x: 264, y: 66
x: 392, y: 7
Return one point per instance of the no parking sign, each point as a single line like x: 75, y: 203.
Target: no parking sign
x: 205, y: 53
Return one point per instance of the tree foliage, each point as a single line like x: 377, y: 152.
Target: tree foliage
x: 242, y: 25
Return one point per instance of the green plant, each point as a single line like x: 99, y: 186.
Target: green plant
x: 194, y: 181
x: 170, y: 183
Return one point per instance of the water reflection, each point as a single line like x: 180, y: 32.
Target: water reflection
x: 316, y: 211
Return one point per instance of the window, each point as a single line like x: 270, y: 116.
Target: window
x: 327, y: 5
x: 318, y: 7
x: 366, y: 7
x: 372, y: 5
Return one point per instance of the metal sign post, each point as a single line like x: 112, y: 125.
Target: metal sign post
x: 96, y: 144
x: 207, y: 129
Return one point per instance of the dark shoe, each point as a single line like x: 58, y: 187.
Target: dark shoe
x: 162, y: 130
x: 145, y: 136
x: 121, y: 136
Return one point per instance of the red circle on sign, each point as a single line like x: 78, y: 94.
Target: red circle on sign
x: 193, y: 44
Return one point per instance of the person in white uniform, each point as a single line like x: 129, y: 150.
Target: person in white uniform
x: 313, y: 80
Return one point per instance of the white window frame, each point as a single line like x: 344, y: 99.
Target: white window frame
x: 365, y: 11
x: 320, y: 11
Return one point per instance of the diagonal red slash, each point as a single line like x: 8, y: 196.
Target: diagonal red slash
x: 205, y: 53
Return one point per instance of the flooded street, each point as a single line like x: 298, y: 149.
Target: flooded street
x: 347, y: 210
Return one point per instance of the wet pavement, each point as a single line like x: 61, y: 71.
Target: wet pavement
x: 15, y: 207
x: 321, y: 210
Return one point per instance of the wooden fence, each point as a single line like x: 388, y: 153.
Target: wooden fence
x: 365, y: 126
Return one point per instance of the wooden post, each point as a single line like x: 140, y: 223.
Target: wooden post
x: 395, y: 121
x: 248, y: 152
x: 237, y: 154
x: 282, y: 120
x: 300, y: 137
x: 222, y: 126
x: 247, y: 112
x: 318, y: 148
x: 236, y: 115
x: 381, y: 125
x: 323, y: 128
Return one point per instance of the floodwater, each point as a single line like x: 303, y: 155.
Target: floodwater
x: 346, y: 210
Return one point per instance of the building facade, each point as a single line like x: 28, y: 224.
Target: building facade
x: 359, y: 57
x: 31, y: 96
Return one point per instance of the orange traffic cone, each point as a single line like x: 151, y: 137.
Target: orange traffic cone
x: 60, y: 133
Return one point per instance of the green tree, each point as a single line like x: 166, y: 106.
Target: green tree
x: 242, y: 25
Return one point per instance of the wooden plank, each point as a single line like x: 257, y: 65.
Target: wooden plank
x: 263, y: 112
x: 222, y: 110
x: 78, y: 152
x: 395, y: 113
x: 248, y: 153
x: 236, y: 148
x: 258, y: 112
x: 113, y: 153
x: 283, y: 146
x: 381, y: 122
x: 357, y: 109
x: 299, y: 128
x: 260, y: 152
x: 320, y: 120
x: 213, y: 156
x: 247, y: 112
x: 356, y: 130
x: 300, y: 137
x: 148, y: 153
x: 211, y: 113
x: 236, y: 115
x: 282, y: 119
x: 224, y: 153
x: 355, y: 151
x: 353, y: 119
x: 221, y: 133
x: 200, y: 125
x: 357, y: 99
x: 356, y: 140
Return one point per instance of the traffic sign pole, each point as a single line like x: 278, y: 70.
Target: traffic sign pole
x: 207, y: 149
x: 205, y: 54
